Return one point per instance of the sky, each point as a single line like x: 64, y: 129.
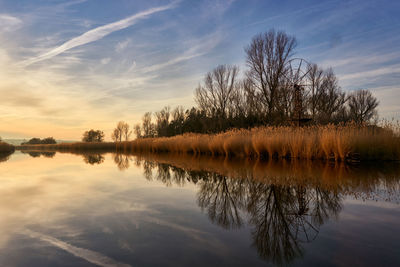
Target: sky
x: 70, y: 66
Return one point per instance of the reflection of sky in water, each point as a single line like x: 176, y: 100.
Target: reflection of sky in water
x: 63, y: 212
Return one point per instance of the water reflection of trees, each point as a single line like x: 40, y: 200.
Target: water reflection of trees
x: 281, y: 217
x: 36, y: 154
x: 4, y: 156
x: 284, y: 211
x: 122, y: 161
x: 93, y: 159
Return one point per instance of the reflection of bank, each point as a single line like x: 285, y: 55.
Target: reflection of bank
x: 38, y: 153
x: 285, y: 204
x: 4, y: 156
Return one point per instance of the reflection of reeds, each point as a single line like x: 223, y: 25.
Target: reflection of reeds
x: 382, y: 178
x: 338, y: 143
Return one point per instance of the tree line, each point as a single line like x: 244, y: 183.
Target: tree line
x: 38, y: 141
x: 276, y: 88
x: 266, y: 95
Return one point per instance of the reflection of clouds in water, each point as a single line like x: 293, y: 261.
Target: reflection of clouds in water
x: 86, y: 254
x: 283, y: 204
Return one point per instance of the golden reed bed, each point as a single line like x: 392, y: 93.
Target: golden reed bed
x: 338, y: 143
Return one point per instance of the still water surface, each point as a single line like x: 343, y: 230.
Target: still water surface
x: 117, y: 210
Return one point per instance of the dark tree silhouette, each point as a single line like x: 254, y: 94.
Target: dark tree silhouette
x: 93, y: 136
x: 362, y: 106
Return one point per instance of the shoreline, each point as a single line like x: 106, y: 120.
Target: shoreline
x: 328, y: 143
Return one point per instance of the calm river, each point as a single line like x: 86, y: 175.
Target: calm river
x: 60, y: 209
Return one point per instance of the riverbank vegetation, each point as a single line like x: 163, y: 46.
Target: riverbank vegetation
x: 330, y: 142
x: 345, y: 143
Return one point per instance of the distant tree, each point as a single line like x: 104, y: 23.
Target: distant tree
x: 217, y: 93
x: 162, y: 121
x: 138, y: 131
x: 93, y: 136
x: 362, y: 106
x: 126, y: 133
x: 121, y: 132
x: 49, y: 140
x: 38, y: 141
x: 331, y: 98
x: 178, y: 118
x: 147, y: 125
x: 267, y: 57
x: 116, y: 135
x: 315, y: 75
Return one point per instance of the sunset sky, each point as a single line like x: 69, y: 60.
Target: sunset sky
x: 69, y: 66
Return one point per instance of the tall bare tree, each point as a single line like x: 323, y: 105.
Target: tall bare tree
x: 137, y: 130
x: 215, y: 96
x: 330, y: 97
x: 267, y: 57
x: 362, y: 106
x: 162, y: 121
x: 147, y: 125
x: 126, y: 133
x: 116, y: 135
x: 315, y: 76
x: 121, y: 132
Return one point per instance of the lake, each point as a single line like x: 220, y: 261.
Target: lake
x: 62, y: 209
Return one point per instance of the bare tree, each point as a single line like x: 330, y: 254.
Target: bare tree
x: 147, y: 125
x: 178, y: 118
x: 253, y: 106
x: 362, y: 106
x: 121, y: 132
x: 315, y: 76
x: 116, y: 135
x: 216, y: 95
x: 330, y: 97
x: 126, y: 133
x: 162, y: 121
x: 137, y: 130
x: 267, y: 57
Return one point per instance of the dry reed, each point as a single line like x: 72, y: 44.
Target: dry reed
x: 336, y: 143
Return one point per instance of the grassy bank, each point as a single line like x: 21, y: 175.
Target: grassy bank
x: 337, y: 143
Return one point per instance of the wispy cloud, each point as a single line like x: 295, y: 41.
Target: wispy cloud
x: 9, y: 23
x: 378, y: 72
x: 98, y: 33
x: 122, y: 45
x: 198, y: 47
